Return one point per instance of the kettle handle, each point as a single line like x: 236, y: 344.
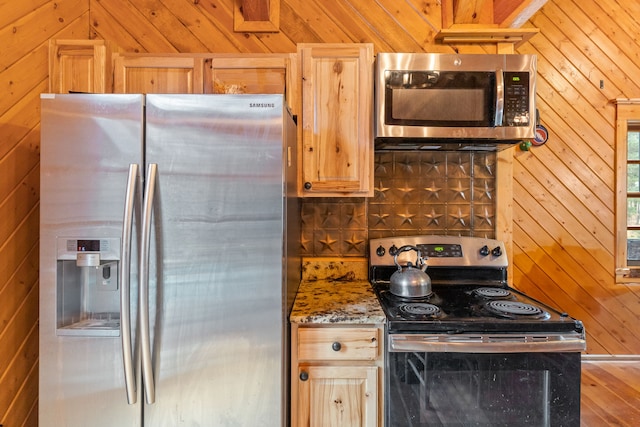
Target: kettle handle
x: 419, y: 259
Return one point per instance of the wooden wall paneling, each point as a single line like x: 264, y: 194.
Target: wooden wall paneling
x: 221, y: 13
x: 559, y: 178
x: 430, y: 12
x: 559, y: 202
x: 575, y: 86
x: 206, y: 31
x: 158, y: 73
x: 354, y: 25
x: 14, y: 293
x: 580, y: 124
x: 378, y: 17
x: 533, y: 276
x: 569, y: 267
x: 164, y: 20
x: 104, y: 26
x: 132, y: 23
x: 22, y: 318
x: 11, y: 12
x: 587, y: 166
x: 17, y: 394
x: 584, y: 250
x: 320, y: 27
x: 25, y: 408
x: 18, y: 79
x: 19, y: 185
x: 17, y: 122
x: 613, y: 45
x: 294, y: 26
x: 540, y: 270
x: 591, y: 67
x: 615, y: 69
x: 74, y: 30
x: 613, y: 306
x: 623, y: 21
x: 420, y: 29
x: 608, y: 31
x: 35, y: 28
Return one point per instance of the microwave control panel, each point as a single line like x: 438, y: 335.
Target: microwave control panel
x: 516, y: 98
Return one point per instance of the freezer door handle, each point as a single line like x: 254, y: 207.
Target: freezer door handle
x: 145, y: 336
x: 125, y: 287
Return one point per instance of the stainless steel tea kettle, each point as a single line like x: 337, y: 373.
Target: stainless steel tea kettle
x: 410, y: 281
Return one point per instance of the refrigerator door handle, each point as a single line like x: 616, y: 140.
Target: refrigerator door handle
x: 145, y: 336
x: 125, y: 287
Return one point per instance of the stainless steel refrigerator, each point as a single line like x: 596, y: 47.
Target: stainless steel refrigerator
x: 168, y: 259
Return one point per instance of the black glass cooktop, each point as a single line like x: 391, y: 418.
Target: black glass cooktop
x: 471, y: 308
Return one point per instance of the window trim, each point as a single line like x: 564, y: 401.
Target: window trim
x: 627, y: 115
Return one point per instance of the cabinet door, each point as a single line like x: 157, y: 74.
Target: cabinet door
x: 251, y: 73
x: 79, y: 66
x: 337, y: 396
x: 337, y: 120
x: 158, y: 74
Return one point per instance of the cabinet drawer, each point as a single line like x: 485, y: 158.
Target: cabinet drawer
x: 338, y: 343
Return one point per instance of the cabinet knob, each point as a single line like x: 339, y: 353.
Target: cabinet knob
x: 307, y: 185
x: 304, y: 376
x: 336, y: 346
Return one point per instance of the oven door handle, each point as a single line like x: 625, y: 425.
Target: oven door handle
x: 486, y: 343
x: 499, y: 98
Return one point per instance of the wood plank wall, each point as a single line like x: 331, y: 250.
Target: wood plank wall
x: 563, y: 191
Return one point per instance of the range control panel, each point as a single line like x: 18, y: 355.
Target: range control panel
x: 446, y: 251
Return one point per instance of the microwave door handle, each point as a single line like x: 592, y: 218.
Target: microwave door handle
x: 125, y: 287
x: 499, y: 98
x: 143, y: 294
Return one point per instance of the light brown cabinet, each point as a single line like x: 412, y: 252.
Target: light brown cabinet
x: 80, y: 66
x: 336, y: 376
x: 252, y: 73
x: 336, y: 155
x: 151, y: 73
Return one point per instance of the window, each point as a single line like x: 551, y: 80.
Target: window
x: 628, y: 190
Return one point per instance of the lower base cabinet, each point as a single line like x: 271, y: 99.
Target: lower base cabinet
x: 336, y: 376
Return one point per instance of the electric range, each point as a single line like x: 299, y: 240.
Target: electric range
x: 475, y: 351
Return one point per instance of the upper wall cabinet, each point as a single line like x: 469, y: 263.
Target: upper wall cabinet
x: 152, y: 73
x: 336, y: 155
x: 252, y: 73
x: 80, y: 66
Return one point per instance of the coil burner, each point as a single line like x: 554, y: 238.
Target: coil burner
x: 420, y: 309
x: 496, y: 293
x: 514, y: 309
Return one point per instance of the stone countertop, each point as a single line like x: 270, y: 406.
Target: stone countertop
x: 334, y: 291
x: 336, y: 302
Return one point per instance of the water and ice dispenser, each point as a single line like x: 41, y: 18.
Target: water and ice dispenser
x: 88, y: 291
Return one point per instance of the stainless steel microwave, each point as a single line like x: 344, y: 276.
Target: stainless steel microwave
x: 477, y: 101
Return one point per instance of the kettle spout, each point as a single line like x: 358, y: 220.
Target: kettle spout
x: 422, y: 264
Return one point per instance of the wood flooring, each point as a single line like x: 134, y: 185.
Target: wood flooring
x: 610, y: 394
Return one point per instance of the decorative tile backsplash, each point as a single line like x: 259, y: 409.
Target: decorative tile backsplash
x: 449, y: 193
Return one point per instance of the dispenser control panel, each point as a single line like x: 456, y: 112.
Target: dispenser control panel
x: 107, y: 247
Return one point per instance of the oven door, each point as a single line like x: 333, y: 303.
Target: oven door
x: 442, y: 98
x: 458, y: 387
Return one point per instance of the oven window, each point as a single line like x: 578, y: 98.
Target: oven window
x: 443, y: 99
x: 464, y: 389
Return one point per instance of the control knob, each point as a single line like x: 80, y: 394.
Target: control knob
x: 497, y: 251
x: 484, y: 251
